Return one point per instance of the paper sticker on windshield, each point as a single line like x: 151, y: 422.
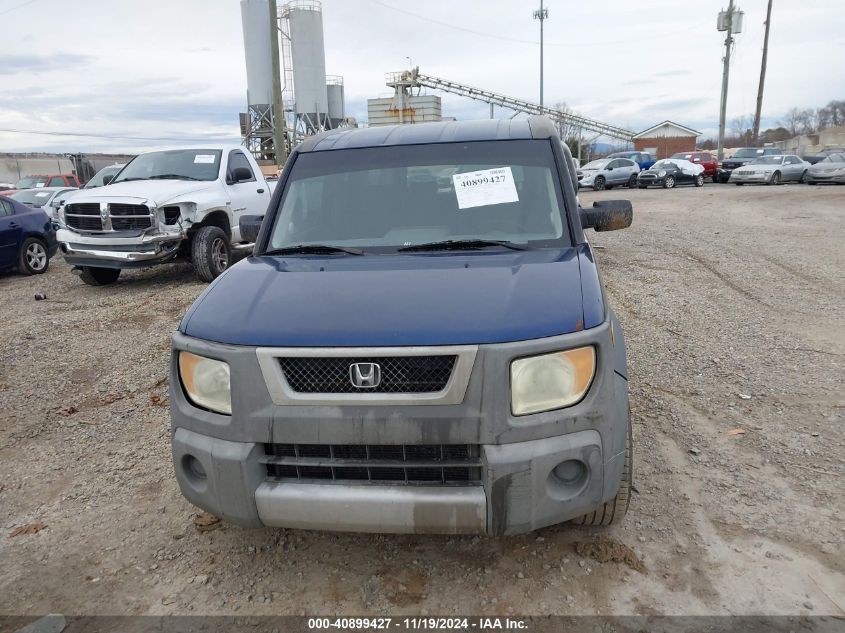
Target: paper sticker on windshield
x: 485, y: 187
x: 42, y: 194
x: 40, y: 184
x: 204, y: 158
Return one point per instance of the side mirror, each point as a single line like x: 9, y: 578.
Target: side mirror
x: 609, y: 168
x: 107, y: 179
x: 608, y: 215
x: 249, y: 226
x: 241, y: 174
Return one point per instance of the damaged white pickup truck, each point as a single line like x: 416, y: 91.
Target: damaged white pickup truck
x: 163, y: 205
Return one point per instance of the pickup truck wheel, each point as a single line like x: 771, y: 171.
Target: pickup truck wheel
x: 33, y: 258
x: 614, y: 511
x: 99, y: 276
x: 210, y: 252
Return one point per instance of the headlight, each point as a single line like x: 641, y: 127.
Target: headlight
x: 551, y: 381
x: 206, y: 382
x: 661, y: 173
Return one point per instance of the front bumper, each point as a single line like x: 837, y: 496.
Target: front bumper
x: 818, y: 178
x: 518, y: 491
x: 119, y: 252
x: 736, y: 176
x: 649, y: 182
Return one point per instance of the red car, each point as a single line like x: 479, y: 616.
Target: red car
x: 49, y: 180
x: 699, y: 157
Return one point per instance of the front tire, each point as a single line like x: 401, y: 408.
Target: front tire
x: 775, y: 180
x: 33, y: 259
x: 613, y: 512
x: 99, y: 276
x: 598, y: 183
x: 632, y: 181
x: 803, y: 178
x: 210, y: 252
x: 669, y: 182
x: 699, y: 181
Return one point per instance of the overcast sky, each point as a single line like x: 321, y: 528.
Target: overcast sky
x: 174, y: 69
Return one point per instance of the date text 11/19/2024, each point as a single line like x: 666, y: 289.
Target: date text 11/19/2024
x: 419, y: 624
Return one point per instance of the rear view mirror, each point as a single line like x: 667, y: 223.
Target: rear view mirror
x: 249, y: 226
x: 107, y: 179
x: 608, y: 215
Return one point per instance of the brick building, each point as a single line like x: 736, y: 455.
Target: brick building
x: 665, y: 139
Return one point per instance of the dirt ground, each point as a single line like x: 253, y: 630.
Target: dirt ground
x: 733, y: 304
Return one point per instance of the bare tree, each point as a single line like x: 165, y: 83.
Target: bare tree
x: 741, y: 128
x: 566, y: 128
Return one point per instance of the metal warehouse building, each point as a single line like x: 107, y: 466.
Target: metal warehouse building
x: 665, y: 139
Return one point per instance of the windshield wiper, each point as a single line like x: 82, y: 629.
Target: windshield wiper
x: 304, y: 249
x: 448, y: 245
x: 171, y: 177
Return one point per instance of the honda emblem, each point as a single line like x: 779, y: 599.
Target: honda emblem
x: 365, y: 375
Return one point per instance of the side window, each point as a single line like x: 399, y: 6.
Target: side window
x: 5, y: 208
x: 615, y: 163
x: 56, y: 181
x: 238, y: 160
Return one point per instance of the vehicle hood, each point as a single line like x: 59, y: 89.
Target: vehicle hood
x: 763, y: 167
x: 384, y: 300
x: 825, y: 167
x: 157, y: 191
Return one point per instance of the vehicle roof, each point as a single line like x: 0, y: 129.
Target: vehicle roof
x: 434, y: 132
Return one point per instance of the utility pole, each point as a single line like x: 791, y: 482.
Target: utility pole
x: 755, y: 131
x: 726, y: 24
x: 542, y: 15
x: 278, y: 114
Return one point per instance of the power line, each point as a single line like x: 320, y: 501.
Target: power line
x: 103, y: 136
x: 17, y: 6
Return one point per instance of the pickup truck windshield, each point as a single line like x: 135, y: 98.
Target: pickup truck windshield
x: 386, y: 198
x: 748, y: 153
x: 180, y: 164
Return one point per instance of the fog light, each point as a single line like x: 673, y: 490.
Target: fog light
x: 193, y: 467
x: 570, y: 472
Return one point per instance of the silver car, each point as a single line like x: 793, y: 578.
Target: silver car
x: 771, y: 170
x: 606, y: 173
x: 829, y: 169
x: 45, y: 198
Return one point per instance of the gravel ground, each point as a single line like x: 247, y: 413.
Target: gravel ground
x: 732, y: 300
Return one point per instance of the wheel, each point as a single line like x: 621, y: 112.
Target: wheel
x: 33, y: 257
x: 699, y: 181
x: 632, y: 181
x: 803, y: 177
x: 210, y: 252
x: 614, y: 511
x: 99, y: 276
x: 775, y: 179
x: 598, y: 183
x: 669, y: 182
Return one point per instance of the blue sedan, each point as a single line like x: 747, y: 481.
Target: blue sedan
x: 27, y: 238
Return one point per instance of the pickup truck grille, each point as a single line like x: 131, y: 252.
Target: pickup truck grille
x: 120, y: 217
x: 398, y: 374
x: 410, y: 464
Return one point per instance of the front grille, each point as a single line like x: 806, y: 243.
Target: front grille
x: 124, y: 217
x: 399, y: 374
x: 409, y: 464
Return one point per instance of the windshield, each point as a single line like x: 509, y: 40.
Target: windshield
x: 33, y: 197
x: 834, y: 158
x: 596, y: 164
x: 768, y: 160
x: 664, y: 164
x: 97, y: 180
x: 187, y: 164
x: 384, y: 198
x: 30, y: 182
x: 748, y: 153
x: 682, y: 156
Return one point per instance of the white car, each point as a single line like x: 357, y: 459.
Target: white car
x: 45, y: 198
x: 607, y: 173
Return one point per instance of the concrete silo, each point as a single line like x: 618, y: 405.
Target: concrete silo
x: 334, y: 92
x: 304, y: 30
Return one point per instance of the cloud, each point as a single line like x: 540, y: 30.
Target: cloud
x: 14, y: 64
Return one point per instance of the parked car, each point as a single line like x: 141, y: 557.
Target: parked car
x: 162, y: 205
x: 606, y: 173
x: 742, y: 157
x: 394, y: 357
x: 27, y: 238
x: 705, y: 159
x: 820, y: 156
x: 37, y: 182
x: 643, y: 159
x: 771, y: 170
x: 46, y: 198
x: 670, y: 172
x: 829, y: 169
